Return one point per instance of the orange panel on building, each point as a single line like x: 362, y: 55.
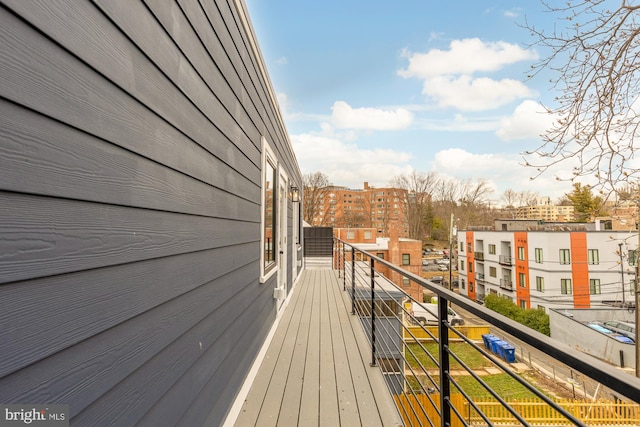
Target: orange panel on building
x: 580, y: 270
x: 523, y: 293
x: 470, y: 261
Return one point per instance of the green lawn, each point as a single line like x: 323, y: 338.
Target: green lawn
x: 464, y: 351
x: 504, y: 384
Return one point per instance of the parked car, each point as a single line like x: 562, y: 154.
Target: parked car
x: 425, y: 262
x: 623, y: 328
x: 443, y: 267
x: 438, y: 280
x: 427, y: 314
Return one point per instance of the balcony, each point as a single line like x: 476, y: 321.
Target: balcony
x: 347, y: 351
x: 505, y: 260
x: 478, y: 256
x: 316, y: 370
x: 480, y: 277
x: 506, y: 284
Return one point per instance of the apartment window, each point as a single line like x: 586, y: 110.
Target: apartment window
x: 565, y: 256
x: 268, y: 237
x: 539, y: 284
x: 521, y: 253
x: 367, y: 234
x: 523, y: 304
x: 461, y: 247
x: 406, y: 281
x: 492, y: 249
x: 593, y: 257
x: 351, y: 235
x: 522, y: 279
x: 493, y: 272
x: 594, y: 286
x: 406, y: 259
x: 462, y: 284
x: 565, y: 286
x: 470, y: 267
x: 380, y: 255
x: 539, y: 255
x: 461, y: 265
x: 469, y: 248
x: 632, y: 257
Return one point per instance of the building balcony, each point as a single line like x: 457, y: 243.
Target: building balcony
x: 506, y: 284
x: 505, y: 260
x: 478, y: 256
x: 348, y: 351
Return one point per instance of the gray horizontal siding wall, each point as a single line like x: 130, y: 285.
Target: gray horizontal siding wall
x: 130, y: 203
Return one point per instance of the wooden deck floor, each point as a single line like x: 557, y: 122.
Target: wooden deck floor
x: 316, y: 371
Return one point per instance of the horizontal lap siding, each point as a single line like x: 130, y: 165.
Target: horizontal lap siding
x: 130, y: 170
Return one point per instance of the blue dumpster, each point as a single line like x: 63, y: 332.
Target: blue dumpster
x: 487, y: 338
x: 495, y: 346
x: 508, y: 353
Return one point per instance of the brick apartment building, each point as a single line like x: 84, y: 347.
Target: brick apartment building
x: 367, y: 208
x: 400, y: 251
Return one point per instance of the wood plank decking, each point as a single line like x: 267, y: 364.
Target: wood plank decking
x: 316, y: 371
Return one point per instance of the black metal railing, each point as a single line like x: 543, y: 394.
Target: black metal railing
x: 418, y: 348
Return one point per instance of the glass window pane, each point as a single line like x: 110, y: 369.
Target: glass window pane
x: 269, y: 255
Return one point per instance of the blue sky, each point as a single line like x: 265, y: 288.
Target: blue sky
x: 373, y: 89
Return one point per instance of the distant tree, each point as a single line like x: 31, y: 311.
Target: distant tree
x: 474, y: 202
x: 417, y: 204
x: 586, y: 206
x: 510, y: 198
x: 594, y: 61
x: 315, y: 189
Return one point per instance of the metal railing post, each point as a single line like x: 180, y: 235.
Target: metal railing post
x: 344, y: 268
x: 353, y: 280
x: 373, y: 314
x: 443, y: 344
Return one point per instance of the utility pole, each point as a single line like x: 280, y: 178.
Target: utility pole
x: 621, y: 271
x: 451, y: 254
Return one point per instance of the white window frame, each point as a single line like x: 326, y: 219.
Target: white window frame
x: 268, y: 156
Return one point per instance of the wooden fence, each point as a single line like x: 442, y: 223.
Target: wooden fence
x: 534, y: 411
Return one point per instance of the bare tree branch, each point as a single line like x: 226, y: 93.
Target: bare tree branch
x: 595, y: 60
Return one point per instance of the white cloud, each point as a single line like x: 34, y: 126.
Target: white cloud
x: 282, y: 61
x: 466, y: 56
x: 348, y: 164
x: 345, y: 117
x: 501, y: 171
x: 468, y: 94
x: 448, y: 75
x: 528, y: 120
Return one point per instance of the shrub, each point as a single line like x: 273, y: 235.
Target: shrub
x: 533, y: 318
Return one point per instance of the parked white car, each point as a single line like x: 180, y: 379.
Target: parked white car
x: 427, y: 314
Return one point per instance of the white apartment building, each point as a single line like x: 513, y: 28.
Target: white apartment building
x: 549, y: 269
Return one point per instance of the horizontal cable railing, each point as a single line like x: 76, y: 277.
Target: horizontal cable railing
x: 437, y: 372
